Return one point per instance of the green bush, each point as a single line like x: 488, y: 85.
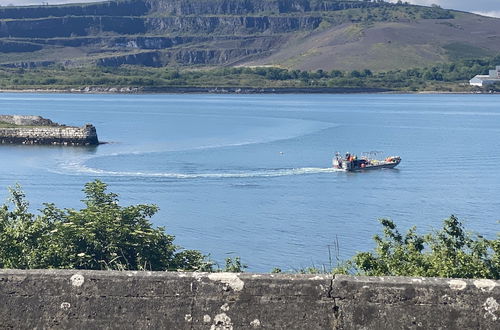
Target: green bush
x: 102, y: 235
x: 448, y: 252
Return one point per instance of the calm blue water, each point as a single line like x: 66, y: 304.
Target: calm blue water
x: 249, y: 175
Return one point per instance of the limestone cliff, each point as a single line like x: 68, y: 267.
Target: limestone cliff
x: 304, y: 34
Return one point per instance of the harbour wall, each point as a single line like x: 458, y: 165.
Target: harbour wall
x: 50, y: 135
x: 65, y: 299
x: 38, y: 130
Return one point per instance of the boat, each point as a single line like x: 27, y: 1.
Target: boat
x: 352, y: 163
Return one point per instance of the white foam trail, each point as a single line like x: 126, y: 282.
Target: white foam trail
x: 77, y: 168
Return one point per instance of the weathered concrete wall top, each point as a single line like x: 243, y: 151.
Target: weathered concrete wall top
x: 168, y: 300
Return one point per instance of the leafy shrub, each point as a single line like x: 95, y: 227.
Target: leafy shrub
x: 102, y: 235
x: 449, y: 252
x: 234, y: 265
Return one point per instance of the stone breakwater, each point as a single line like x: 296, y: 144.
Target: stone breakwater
x: 38, y: 130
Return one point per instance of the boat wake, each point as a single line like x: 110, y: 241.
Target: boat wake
x: 79, y: 169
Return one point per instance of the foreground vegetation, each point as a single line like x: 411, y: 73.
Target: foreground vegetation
x: 452, y: 77
x: 448, y: 252
x: 103, y: 235
x: 106, y: 236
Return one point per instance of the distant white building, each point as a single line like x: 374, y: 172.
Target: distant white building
x: 491, y: 78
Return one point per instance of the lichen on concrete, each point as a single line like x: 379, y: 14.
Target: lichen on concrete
x: 222, y: 322
x: 492, y: 307
x: 457, y: 284
x: 230, y: 279
x: 485, y: 285
x: 77, y: 280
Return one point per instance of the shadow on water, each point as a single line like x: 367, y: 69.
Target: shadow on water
x: 385, y: 170
x: 90, y: 150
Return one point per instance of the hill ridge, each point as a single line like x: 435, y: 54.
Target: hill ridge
x: 235, y: 32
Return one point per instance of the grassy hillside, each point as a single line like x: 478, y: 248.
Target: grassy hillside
x: 390, y: 44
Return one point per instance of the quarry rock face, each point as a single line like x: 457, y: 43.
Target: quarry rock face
x: 298, y: 34
x: 183, y: 7
x: 177, y: 29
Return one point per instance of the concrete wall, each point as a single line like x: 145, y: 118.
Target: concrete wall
x: 161, y: 300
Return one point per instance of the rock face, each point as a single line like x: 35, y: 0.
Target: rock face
x: 182, y: 33
x: 39, y: 130
x: 124, y: 32
x: 67, y: 299
x: 184, y: 7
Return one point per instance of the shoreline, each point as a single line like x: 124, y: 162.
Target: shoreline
x: 228, y: 90
x: 201, y: 90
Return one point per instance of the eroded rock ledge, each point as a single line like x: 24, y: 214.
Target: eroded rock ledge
x: 65, y: 299
x: 16, y: 129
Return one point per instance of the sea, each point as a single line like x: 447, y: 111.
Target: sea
x: 251, y: 176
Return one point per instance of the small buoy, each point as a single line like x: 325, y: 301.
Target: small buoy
x: 281, y: 152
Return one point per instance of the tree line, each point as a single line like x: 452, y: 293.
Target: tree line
x: 446, y: 76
